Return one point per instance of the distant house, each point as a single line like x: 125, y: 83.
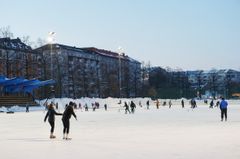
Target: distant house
x: 213, y: 82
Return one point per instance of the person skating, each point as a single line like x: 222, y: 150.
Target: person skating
x: 182, y: 102
x: 86, y: 107
x: 126, y: 108
x: 217, y: 103
x: 105, y: 107
x: 148, y: 104
x: 170, y: 103
x: 51, y: 119
x: 94, y: 107
x: 27, y: 108
x: 193, y: 103
x: 140, y: 104
x: 57, y: 106
x: 133, y: 106
x: 164, y: 103
x: 65, y: 120
x: 157, y: 104
x: 211, y: 104
x: 80, y: 106
x: 223, y: 108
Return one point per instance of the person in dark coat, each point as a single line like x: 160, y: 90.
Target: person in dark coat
x: 126, y: 108
x: 182, y: 102
x: 65, y: 119
x: 133, y: 106
x: 170, y: 103
x: 105, y: 107
x: 27, y: 108
x: 148, y: 104
x: 217, y: 103
x: 157, y: 104
x: 51, y: 119
x: 211, y: 104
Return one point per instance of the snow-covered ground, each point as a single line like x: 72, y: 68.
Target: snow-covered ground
x: 165, y: 133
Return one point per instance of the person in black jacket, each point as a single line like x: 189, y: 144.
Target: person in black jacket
x: 126, y: 108
x: 65, y: 119
x: 51, y: 119
x: 182, y: 102
x: 133, y: 106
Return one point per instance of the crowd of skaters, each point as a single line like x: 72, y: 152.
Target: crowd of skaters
x: 129, y: 107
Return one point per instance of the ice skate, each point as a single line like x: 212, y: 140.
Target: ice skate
x: 52, y: 136
x: 68, y: 138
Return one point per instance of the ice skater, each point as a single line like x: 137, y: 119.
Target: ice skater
x: 211, y: 104
x: 80, y: 106
x: 126, y: 108
x: 223, y: 108
x: 170, y: 103
x: 157, y: 104
x: 140, y: 104
x: 65, y: 119
x: 27, y: 108
x: 51, y: 119
x: 86, y: 107
x: 164, y: 103
x: 133, y: 106
x: 57, y: 106
x: 105, y: 107
x: 193, y: 103
x: 182, y: 102
x: 147, y: 103
x: 217, y: 104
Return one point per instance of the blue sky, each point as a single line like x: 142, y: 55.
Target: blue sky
x: 187, y: 34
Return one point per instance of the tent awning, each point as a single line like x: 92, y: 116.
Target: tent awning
x: 20, y: 84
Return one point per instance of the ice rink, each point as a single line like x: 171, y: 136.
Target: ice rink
x: 165, y: 133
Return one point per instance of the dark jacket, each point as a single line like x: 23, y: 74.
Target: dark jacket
x: 132, y: 105
x: 68, y: 113
x: 51, y: 115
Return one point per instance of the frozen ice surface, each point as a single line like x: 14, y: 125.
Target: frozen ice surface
x: 165, y: 133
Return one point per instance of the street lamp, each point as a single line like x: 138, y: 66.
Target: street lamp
x: 120, y: 51
x: 59, y: 73
x: 50, y: 40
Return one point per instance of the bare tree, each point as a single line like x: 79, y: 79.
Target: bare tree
x: 212, y: 82
x: 40, y: 42
x: 5, y: 32
x: 26, y: 40
x: 145, y: 69
x: 200, y: 82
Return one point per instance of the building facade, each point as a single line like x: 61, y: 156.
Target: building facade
x: 78, y: 72
x: 214, y: 82
x: 17, y: 59
x: 89, y: 72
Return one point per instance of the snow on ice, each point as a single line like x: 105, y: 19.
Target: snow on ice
x: 165, y: 133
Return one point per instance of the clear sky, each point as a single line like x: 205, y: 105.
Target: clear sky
x: 187, y: 34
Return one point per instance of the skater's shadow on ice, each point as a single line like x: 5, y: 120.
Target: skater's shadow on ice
x: 31, y: 139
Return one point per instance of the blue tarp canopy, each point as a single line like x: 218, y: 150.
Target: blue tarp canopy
x: 20, y: 84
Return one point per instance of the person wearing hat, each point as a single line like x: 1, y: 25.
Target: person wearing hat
x: 65, y: 119
x: 51, y: 119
